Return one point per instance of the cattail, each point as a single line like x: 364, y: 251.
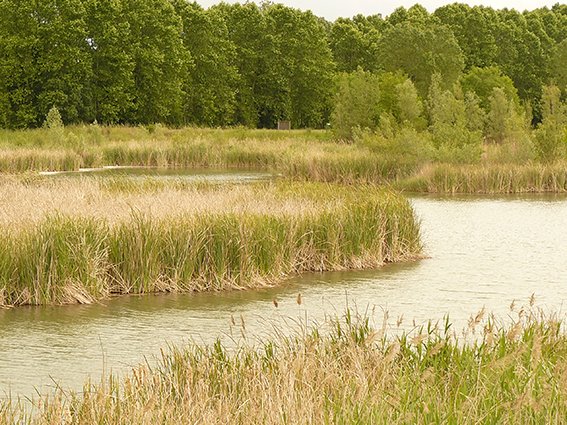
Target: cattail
x: 298, y: 299
x: 275, y: 303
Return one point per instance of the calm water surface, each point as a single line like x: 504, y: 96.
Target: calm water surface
x: 189, y: 174
x: 483, y: 253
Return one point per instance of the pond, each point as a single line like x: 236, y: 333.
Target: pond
x: 483, y: 252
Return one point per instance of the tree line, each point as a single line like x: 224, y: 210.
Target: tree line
x: 174, y: 62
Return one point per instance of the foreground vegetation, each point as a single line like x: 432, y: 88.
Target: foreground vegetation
x: 354, y: 373
x: 80, y: 241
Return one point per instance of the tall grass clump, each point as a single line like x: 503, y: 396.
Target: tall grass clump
x: 350, y: 373
x: 492, y: 179
x: 75, y: 258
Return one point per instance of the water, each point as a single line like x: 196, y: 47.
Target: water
x: 483, y: 253
x: 190, y: 175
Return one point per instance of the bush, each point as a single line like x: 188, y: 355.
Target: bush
x: 53, y: 119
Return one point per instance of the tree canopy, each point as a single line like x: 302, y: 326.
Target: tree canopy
x: 175, y: 62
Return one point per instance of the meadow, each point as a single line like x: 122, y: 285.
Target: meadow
x: 300, y: 155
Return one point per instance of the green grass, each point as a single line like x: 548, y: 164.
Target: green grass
x: 354, y: 373
x: 488, y: 179
x: 241, y: 241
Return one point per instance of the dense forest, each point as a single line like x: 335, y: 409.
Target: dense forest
x: 173, y: 62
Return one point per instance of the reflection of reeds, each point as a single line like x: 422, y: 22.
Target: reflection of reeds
x: 96, y: 240
x: 351, y: 373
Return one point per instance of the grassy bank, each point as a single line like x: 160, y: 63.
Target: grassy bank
x: 352, y: 374
x: 299, y: 155
x: 487, y: 179
x: 79, y: 241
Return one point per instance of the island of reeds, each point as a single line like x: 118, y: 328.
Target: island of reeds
x: 81, y: 240
x: 299, y: 155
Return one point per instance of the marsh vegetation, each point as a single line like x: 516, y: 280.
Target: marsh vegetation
x: 83, y: 240
x: 348, y: 370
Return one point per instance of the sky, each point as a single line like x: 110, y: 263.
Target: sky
x: 332, y: 9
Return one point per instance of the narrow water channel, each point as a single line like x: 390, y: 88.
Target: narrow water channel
x: 484, y: 252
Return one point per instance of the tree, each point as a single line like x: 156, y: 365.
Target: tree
x: 211, y: 81
x: 159, y: 61
x: 421, y: 51
x: 112, y: 84
x: 503, y: 120
x: 409, y: 105
x: 247, y: 32
x: 388, y: 83
x: 356, y: 103
x: 46, y: 60
x: 19, y: 49
x: 354, y: 42
x: 559, y: 66
x: 449, y: 126
x: 473, y: 28
x: 520, y: 55
x: 551, y: 135
x: 301, y: 69
x: 483, y: 81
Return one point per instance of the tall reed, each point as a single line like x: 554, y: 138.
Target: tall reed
x: 488, y: 179
x: 65, y: 259
x: 355, y: 373
x: 298, y: 155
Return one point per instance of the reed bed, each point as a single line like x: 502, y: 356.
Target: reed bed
x: 352, y: 373
x: 488, y: 179
x: 299, y: 155
x: 68, y: 242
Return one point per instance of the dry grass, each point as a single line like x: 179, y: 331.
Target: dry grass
x: 488, y: 178
x: 115, y: 200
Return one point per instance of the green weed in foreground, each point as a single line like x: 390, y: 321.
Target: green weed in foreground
x: 353, y: 374
x: 68, y: 259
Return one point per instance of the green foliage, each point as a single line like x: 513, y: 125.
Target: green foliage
x: 159, y: 60
x: 521, y: 55
x: 559, y: 66
x: 356, y: 104
x: 409, y: 105
x: 210, y: 84
x: 483, y: 81
x: 53, y: 119
x: 474, y: 30
x: 450, y: 128
x: 355, y: 41
x: 504, y: 122
x: 112, y: 88
x: 174, y: 62
x: 421, y: 51
x: 300, y: 68
x: 551, y: 135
